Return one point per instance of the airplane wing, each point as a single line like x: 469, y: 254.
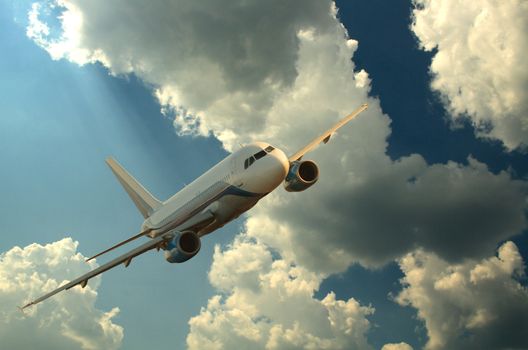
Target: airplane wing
x: 326, y: 136
x: 141, y: 234
x: 125, y: 258
x: 195, y: 222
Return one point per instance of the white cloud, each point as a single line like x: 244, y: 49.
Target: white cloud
x: 68, y: 320
x: 479, y: 62
x: 471, y: 305
x: 270, y: 304
x: 283, y: 72
x: 397, y: 346
x: 36, y: 30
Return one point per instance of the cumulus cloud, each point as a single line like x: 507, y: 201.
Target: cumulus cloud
x: 397, y: 346
x: 283, y: 72
x: 479, y: 62
x: 68, y: 320
x: 471, y: 305
x: 378, y: 213
x: 270, y: 304
x: 224, y: 62
x: 221, y: 72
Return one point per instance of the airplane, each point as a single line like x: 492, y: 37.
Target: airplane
x: 220, y: 195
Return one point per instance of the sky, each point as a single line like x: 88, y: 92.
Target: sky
x: 415, y: 235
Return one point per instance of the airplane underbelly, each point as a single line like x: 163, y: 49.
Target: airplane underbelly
x: 229, y: 208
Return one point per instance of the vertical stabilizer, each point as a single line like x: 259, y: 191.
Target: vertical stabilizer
x: 144, y: 201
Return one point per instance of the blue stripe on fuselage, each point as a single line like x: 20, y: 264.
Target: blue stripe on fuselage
x: 230, y: 190
x: 237, y: 191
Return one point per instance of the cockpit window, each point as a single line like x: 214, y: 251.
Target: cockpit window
x: 248, y: 162
x: 260, y: 154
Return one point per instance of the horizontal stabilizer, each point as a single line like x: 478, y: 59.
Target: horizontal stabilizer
x: 144, y: 201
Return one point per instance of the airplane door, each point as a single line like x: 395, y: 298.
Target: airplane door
x: 234, y: 171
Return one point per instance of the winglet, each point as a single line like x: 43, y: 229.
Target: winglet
x: 21, y: 308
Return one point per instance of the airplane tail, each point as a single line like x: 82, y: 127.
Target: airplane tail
x: 144, y: 201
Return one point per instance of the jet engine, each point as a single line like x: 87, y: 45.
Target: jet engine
x: 182, y: 247
x: 302, y: 174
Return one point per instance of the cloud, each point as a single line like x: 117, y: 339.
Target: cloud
x: 283, y: 72
x: 471, y: 305
x: 223, y: 62
x: 66, y: 321
x: 221, y: 72
x: 479, y: 63
x: 398, y: 346
x: 366, y: 207
x: 270, y: 304
x: 379, y: 212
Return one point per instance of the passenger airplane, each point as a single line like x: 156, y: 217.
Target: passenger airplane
x: 227, y: 190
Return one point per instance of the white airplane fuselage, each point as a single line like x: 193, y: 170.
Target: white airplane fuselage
x: 228, y: 189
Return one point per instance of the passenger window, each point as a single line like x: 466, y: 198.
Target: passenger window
x: 260, y: 154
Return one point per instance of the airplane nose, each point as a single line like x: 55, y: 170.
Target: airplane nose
x: 283, y: 164
x: 274, y: 167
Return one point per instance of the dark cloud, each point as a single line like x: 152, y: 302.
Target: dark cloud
x: 223, y: 61
x: 455, y: 211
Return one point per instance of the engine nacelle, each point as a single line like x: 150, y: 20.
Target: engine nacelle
x: 182, y: 247
x: 302, y: 175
